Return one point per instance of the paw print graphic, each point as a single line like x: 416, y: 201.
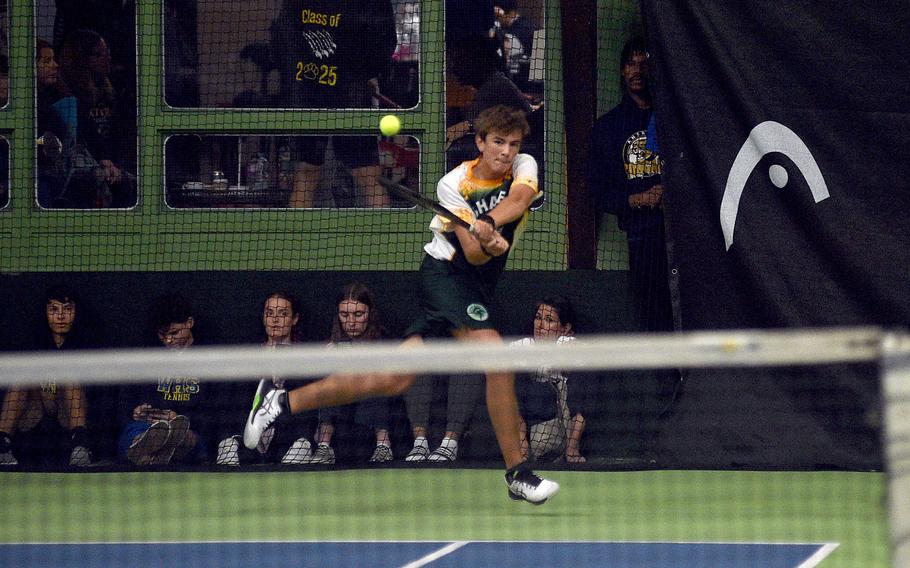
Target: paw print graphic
x: 310, y: 71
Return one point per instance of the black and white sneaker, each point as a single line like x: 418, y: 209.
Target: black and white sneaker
x: 525, y: 485
x: 270, y: 403
x: 420, y: 452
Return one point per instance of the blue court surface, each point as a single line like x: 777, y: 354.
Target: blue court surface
x: 415, y: 555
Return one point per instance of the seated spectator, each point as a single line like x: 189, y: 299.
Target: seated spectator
x: 96, y: 176
x: 284, y: 442
x: 4, y: 80
x: 490, y: 87
x: 463, y: 397
x: 167, y: 422
x: 47, y: 424
x: 357, y: 319
x: 358, y: 50
x: 518, y: 32
x: 51, y: 129
x: 552, y: 410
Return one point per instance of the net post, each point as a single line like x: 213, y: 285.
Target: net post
x: 896, y: 397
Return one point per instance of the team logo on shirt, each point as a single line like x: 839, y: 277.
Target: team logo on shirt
x: 478, y: 312
x: 638, y: 161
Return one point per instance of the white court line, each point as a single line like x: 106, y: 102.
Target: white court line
x: 436, y: 555
x: 819, y: 555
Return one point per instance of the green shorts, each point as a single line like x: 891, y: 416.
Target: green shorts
x: 450, y: 299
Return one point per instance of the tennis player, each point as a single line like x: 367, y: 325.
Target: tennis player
x: 458, y: 278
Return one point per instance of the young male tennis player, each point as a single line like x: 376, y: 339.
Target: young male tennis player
x: 458, y: 278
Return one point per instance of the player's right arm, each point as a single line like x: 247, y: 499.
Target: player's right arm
x: 478, y: 254
x: 475, y: 253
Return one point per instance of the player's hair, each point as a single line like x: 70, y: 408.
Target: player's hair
x: 169, y: 309
x: 562, y: 306
x: 61, y: 293
x: 296, y: 333
x: 359, y: 293
x: 501, y: 118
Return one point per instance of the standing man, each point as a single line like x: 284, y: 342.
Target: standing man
x: 458, y: 279
x: 624, y: 176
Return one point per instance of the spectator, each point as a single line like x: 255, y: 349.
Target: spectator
x: 552, y: 408
x: 334, y: 62
x: 51, y: 129
x: 463, y: 396
x: 96, y: 176
x: 488, y: 87
x: 281, y: 323
x: 168, y: 422
x: 4, y: 80
x: 357, y: 320
x: 518, y: 36
x: 47, y: 425
x: 514, y: 24
x: 625, y: 177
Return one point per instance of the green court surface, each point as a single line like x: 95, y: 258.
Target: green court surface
x: 451, y: 504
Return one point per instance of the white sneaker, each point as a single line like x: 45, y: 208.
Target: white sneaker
x: 80, y: 457
x: 420, y: 452
x: 299, y: 453
x: 447, y: 451
x: 228, y: 452
x: 525, y: 485
x: 266, y: 409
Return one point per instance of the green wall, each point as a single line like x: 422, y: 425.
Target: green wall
x: 153, y: 237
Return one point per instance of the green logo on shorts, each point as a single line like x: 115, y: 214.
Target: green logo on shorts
x: 478, y: 312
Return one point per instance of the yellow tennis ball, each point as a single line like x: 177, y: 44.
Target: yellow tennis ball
x: 389, y: 125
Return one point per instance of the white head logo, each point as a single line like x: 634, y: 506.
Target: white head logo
x: 767, y: 137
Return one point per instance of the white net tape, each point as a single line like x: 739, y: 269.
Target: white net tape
x: 735, y: 348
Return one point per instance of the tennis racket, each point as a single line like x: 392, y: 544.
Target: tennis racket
x: 421, y: 201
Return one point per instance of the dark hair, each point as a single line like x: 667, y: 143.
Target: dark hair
x: 501, y: 118
x: 296, y: 333
x: 169, y: 309
x: 562, y: 306
x: 507, y: 5
x: 41, y: 44
x: 74, y: 67
x: 633, y: 46
x: 61, y: 293
x: 359, y: 293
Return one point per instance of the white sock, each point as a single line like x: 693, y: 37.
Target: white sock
x: 449, y: 443
x: 421, y: 441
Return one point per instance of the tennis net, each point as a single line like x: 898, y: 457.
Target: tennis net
x: 735, y: 448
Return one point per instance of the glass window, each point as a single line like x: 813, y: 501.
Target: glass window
x: 303, y: 171
x: 493, y: 59
x: 4, y: 172
x: 4, y: 54
x: 319, y: 54
x: 86, y: 131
